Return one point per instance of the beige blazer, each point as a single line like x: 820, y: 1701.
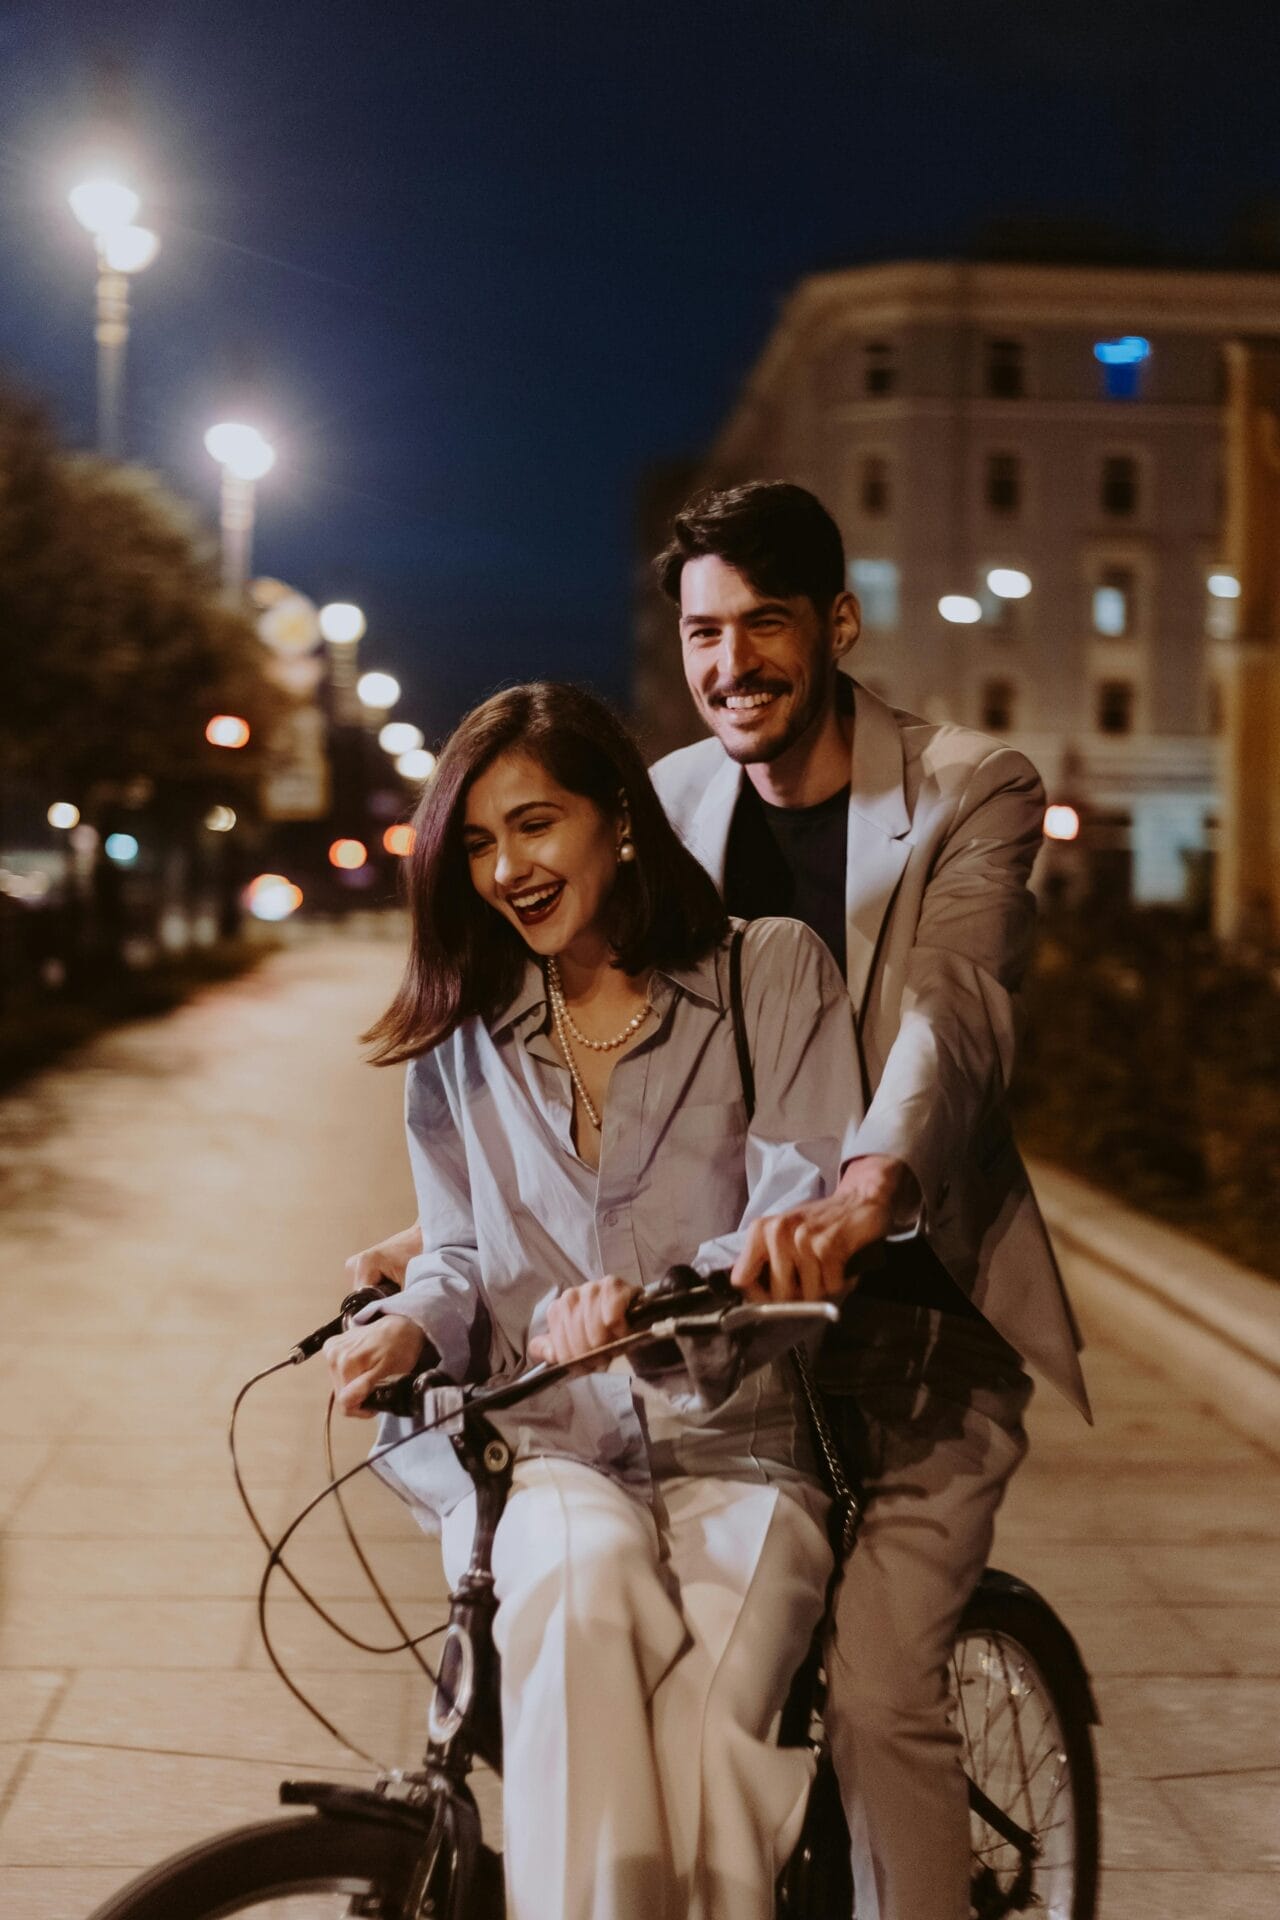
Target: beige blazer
x: 944, y: 824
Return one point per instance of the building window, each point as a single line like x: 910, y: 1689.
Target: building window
x: 1114, y: 603
x: 1122, y: 362
x: 1004, y: 482
x: 1005, y: 370
x: 1222, y: 600
x: 1115, y: 706
x: 876, y: 583
x: 874, y: 489
x: 997, y: 706
x: 879, y: 373
x: 1118, y: 494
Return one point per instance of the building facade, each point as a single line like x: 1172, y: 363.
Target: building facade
x: 989, y: 431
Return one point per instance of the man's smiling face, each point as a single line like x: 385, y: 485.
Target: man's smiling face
x: 760, y: 667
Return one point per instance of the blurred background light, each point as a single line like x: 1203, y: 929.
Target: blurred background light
x: 961, y: 609
x: 1224, y: 586
x: 1009, y: 583
x: 63, y: 814
x: 399, y: 840
x: 227, y: 730
x: 416, y: 765
x: 400, y: 736
x: 220, y: 819
x: 342, y: 623
x: 1061, y: 822
x: 241, y: 449
x: 378, y: 690
x: 120, y: 847
x: 130, y: 249
x: 104, y: 206
x: 272, y: 897
x: 1130, y: 350
x: 348, y: 854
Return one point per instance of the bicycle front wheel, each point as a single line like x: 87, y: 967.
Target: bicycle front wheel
x: 316, y: 1867
x: 1025, y: 1714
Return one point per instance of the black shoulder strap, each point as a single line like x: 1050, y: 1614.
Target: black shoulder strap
x: 738, y: 1015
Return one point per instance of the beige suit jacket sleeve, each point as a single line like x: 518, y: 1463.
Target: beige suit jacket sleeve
x: 952, y: 1058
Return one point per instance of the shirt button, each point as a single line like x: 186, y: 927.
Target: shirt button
x: 612, y: 1218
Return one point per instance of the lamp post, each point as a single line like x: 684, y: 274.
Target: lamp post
x: 343, y: 624
x: 106, y: 209
x: 244, y: 456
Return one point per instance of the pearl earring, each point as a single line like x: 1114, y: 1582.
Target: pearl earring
x: 626, y: 848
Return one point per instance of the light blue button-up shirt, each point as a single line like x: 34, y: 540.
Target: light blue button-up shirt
x: 512, y: 1215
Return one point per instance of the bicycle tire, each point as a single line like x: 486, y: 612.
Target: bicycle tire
x: 278, y: 1862
x: 1026, y: 1713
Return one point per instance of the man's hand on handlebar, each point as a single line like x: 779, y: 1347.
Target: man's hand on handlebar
x: 584, y: 1318
x: 387, y: 1260
x: 362, y: 1358
x: 803, y: 1254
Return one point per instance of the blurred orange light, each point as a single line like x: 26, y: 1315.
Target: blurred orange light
x: 227, y: 730
x: 348, y: 853
x: 272, y: 897
x: 399, y: 840
x: 1061, y: 823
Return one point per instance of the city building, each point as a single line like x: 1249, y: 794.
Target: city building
x: 1026, y: 463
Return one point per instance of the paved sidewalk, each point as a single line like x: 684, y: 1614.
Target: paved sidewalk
x: 177, y: 1205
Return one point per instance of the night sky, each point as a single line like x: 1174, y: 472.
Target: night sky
x: 474, y: 266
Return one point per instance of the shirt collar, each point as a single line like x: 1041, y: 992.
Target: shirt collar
x: 700, y: 979
x: 531, y: 994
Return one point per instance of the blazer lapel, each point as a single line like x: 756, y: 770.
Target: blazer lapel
x: 708, y: 835
x: 878, y: 827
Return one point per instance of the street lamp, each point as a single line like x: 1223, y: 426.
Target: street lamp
x: 378, y: 691
x: 343, y: 626
x: 106, y: 208
x: 244, y: 456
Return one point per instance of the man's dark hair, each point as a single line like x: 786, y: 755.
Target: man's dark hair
x: 778, y: 536
x: 464, y: 957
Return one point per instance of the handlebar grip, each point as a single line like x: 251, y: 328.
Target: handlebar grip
x: 681, y: 1291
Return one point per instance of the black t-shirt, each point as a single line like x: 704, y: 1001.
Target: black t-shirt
x: 791, y: 861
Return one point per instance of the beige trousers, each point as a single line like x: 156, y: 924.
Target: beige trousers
x: 647, y: 1650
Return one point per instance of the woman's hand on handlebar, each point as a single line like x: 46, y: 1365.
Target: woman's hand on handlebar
x: 362, y: 1358
x: 584, y: 1318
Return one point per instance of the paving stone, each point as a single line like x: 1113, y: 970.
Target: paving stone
x: 1151, y: 1892
x: 56, y: 1893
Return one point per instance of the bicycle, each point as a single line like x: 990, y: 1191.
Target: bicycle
x: 410, y: 1847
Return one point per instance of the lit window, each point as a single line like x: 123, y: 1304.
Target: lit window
x: 1118, y: 495
x: 1222, y: 596
x: 879, y: 374
x: 875, y: 486
x: 1122, y: 361
x: 997, y: 706
x: 876, y: 583
x: 1115, y: 706
x: 1113, y: 602
x: 1003, y: 482
x: 1004, y: 372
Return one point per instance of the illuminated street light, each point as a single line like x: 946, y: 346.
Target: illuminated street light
x: 63, y: 814
x: 244, y: 455
x: 961, y: 609
x: 220, y: 819
x: 400, y: 736
x: 399, y: 840
x: 107, y: 208
x: 1009, y: 583
x: 348, y: 854
x: 1224, y: 586
x: 342, y: 623
x: 380, y: 691
x: 227, y: 730
x: 1061, y: 822
x: 416, y: 765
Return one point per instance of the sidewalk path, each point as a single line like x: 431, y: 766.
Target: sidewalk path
x: 177, y: 1203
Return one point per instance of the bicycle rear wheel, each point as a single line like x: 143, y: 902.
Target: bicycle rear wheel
x: 315, y: 1867
x: 1025, y: 1714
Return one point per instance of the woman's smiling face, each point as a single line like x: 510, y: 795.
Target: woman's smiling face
x: 544, y: 858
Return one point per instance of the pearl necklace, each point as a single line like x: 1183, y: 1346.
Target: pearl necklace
x: 564, y: 1025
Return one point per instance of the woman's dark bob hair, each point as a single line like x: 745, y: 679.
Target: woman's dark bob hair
x: 464, y: 958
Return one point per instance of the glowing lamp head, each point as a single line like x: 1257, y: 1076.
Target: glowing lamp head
x: 399, y: 840
x: 378, y: 690
x: 121, y: 848
x: 400, y: 736
x: 64, y: 815
x: 130, y: 249
x: 416, y: 765
x: 342, y: 623
x: 242, y: 450
x: 961, y: 609
x: 227, y: 730
x: 272, y: 897
x: 1061, y: 822
x: 1009, y: 583
x: 348, y: 854
x: 220, y: 819
x: 104, y: 206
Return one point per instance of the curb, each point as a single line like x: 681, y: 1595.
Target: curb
x: 1211, y: 1324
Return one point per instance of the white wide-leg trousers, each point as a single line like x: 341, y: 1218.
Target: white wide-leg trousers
x: 646, y: 1653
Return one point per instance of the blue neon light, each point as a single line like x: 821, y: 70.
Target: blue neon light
x: 1129, y: 351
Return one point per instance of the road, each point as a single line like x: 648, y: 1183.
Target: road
x: 177, y: 1203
